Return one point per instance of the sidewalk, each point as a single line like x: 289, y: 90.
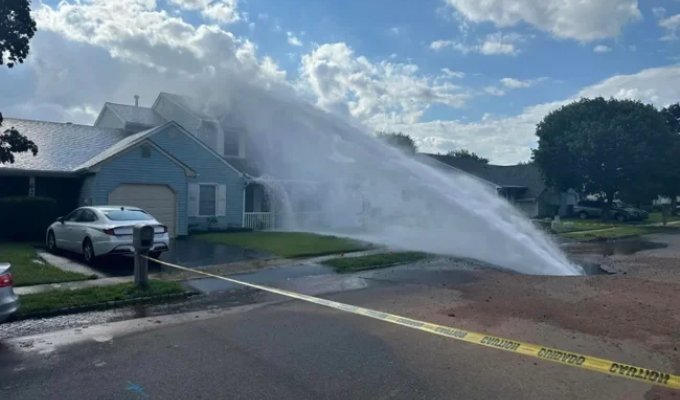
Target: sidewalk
x: 22, y: 290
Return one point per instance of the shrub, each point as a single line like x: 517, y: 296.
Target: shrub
x: 26, y: 218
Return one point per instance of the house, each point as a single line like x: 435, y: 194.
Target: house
x: 181, y: 165
x: 522, y: 184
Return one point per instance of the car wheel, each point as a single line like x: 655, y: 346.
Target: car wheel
x: 51, y: 242
x: 154, y: 254
x: 620, y: 217
x: 583, y: 215
x: 88, y: 251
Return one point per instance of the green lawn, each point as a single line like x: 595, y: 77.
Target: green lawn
x: 26, y: 272
x: 655, y: 217
x: 610, y: 233
x: 286, y: 244
x: 351, y: 264
x: 63, y: 298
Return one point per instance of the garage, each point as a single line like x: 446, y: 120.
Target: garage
x: 159, y: 200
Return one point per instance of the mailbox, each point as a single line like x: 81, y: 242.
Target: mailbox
x: 142, y: 237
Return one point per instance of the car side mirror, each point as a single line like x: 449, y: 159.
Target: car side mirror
x: 60, y: 219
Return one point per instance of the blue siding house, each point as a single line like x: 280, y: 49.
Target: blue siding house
x: 176, y: 163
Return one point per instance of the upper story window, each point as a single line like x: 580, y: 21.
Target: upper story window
x: 146, y: 151
x: 231, y: 144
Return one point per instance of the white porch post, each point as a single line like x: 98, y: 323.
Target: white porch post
x: 243, y: 209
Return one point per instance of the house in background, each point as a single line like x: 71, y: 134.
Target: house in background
x: 177, y: 163
x: 522, y: 184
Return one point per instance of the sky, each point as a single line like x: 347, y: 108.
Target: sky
x: 453, y: 74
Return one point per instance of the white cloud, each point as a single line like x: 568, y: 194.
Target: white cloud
x: 658, y: 11
x: 111, y: 50
x: 343, y: 82
x: 293, y: 40
x: 493, y: 44
x: 494, y: 91
x: 513, y: 83
x: 600, y: 48
x: 453, y: 74
x: 137, y: 32
x: 508, y: 140
x: 222, y: 11
x: 582, y: 20
x: 672, y: 27
x: 441, y: 44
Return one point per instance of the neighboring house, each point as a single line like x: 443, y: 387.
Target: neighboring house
x: 169, y: 159
x: 522, y: 184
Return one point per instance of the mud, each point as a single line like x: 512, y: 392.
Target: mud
x: 637, y: 301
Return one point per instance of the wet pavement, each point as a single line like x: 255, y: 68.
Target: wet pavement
x: 198, y: 253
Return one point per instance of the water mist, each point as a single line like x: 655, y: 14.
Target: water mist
x: 365, y: 189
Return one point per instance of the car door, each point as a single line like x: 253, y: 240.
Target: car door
x: 79, y: 228
x: 69, y: 233
x: 61, y: 231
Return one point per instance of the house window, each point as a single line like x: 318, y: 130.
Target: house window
x: 231, y: 144
x: 146, y: 151
x: 206, y: 200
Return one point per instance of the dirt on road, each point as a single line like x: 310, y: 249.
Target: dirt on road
x: 638, y: 303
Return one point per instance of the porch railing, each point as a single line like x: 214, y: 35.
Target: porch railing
x: 259, y: 221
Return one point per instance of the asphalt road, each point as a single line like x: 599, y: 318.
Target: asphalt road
x: 293, y: 350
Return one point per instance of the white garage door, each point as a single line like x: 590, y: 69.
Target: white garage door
x: 158, y: 200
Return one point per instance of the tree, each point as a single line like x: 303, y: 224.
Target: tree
x: 399, y: 140
x: 463, y: 154
x: 17, y: 27
x: 604, y: 147
x: 670, y: 185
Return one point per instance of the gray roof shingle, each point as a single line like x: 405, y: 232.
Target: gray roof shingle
x: 137, y: 115
x: 521, y: 175
x: 61, y: 146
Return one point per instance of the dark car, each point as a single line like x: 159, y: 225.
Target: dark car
x: 620, y: 211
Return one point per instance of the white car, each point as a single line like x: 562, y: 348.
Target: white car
x: 101, y: 230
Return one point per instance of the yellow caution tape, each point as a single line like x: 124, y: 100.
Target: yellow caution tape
x: 568, y: 358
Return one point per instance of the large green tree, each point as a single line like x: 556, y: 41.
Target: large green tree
x: 399, y: 140
x: 17, y: 27
x: 604, y: 147
x: 670, y: 182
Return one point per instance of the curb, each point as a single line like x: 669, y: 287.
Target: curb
x: 102, y: 306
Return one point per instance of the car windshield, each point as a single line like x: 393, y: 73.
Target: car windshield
x: 127, y: 215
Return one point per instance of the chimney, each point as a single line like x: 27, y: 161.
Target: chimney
x: 136, y: 100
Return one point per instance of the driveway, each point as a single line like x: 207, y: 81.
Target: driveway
x: 185, y: 251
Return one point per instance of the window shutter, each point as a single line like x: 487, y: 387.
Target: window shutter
x: 193, y: 199
x: 221, y: 206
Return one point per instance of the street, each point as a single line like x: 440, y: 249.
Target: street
x: 289, y: 349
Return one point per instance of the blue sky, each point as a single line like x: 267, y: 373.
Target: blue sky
x: 452, y: 73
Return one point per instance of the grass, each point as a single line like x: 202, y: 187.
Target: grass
x: 351, y: 264
x: 576, y: 225
x: 64, y: 298
x: 286, y: 244
x: 609, y: 233
x: 656, y: 217
x: 27, y: 272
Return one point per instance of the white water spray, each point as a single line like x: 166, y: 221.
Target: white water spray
x: 367, y: 190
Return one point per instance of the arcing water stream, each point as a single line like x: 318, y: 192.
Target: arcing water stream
x: 368, y: 190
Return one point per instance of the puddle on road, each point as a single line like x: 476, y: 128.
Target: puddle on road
x: 594, y: 269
